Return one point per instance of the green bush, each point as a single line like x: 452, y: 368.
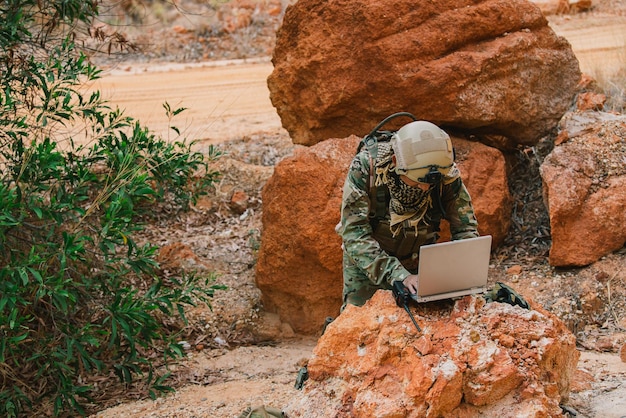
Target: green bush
x: 79, y: 297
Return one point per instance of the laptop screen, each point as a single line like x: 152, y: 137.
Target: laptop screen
x: 454, y: 268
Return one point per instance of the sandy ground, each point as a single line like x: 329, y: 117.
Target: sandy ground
x: 230, y: 99
x: 266, y: 376
x: 224, y: 100
x: 599, y: 43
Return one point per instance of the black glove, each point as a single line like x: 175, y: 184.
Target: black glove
x: 402, y: 297
x: 505, y: 294
x: 400, y: 293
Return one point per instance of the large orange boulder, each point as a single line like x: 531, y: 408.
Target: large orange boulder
x: 299, y: 266
x: 491, y: 67
x: 470, y: 359
x: 584, y: 181
x: 299, y: 269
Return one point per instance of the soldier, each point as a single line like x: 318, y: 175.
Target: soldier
x: 394, y: 197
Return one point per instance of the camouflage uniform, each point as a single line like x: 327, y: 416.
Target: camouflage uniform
x: 372, y: 257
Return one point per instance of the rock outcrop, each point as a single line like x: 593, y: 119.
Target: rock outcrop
x: 585, y: 189
x: 492, y: 67
x: 299, y: 265
x: 299, y: 268
x: 472, y: 358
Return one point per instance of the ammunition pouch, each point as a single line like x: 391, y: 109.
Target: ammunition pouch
x: 405, y: 246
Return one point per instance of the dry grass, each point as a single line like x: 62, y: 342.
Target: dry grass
x: 614, y: 88
x: 610, y: 78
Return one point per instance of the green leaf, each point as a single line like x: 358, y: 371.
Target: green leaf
x: 36, y: 274
x: 23, y: 275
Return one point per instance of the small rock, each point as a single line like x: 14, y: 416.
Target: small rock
x: 590, y: 101
x: 581, y: 381
x: 239, y: 202
x: 220, y: 341
x: 514, y: 270
x: 604, y: 344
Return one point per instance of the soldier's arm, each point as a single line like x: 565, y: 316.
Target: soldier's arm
x: 459, y: 211
x: 356, y: 231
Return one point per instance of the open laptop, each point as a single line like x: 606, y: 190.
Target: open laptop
x: 453, y: 269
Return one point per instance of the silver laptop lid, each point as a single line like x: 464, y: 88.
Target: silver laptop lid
x: 453, y: 269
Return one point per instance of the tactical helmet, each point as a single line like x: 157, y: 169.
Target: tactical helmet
x: 423, y: 151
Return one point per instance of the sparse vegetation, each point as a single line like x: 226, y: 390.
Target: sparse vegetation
x: 615, y: 91
x: 79, y: 297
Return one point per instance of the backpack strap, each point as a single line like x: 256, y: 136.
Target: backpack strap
x: 372, y: 147
x: 371, y: 143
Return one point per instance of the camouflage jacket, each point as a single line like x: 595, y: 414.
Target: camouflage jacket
x: 356, y: 227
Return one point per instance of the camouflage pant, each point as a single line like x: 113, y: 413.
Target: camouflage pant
x: 357, y: 287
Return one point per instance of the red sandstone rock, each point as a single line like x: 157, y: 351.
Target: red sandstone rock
x: 581, y: 381
x: 370, y: 362
x: 514, y: 270
x: 238, y: 202
x: 585, y: 192
x: 489, y: 66
x: 299, y: 266
x: 590, y: 101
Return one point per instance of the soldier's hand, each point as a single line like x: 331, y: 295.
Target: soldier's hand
x: 411, y: 283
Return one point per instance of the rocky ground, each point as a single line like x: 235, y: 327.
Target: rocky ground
x: 231, y: 365
x: 234, y: 357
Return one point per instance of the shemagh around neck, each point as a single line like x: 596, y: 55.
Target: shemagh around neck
x: 408, y: 205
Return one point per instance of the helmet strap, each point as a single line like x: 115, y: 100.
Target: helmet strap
x: 433, y: 176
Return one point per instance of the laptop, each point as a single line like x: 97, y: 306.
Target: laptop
x: 453, y: 269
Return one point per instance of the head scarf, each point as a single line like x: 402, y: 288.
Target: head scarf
x: 408, y: 204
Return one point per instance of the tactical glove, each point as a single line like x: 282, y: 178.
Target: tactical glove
x: 505, y: 294
x: 400, y: 293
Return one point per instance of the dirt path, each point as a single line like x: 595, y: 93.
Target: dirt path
x: 228, y: 382
x: 599, y: 42
x: 224, y: 100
